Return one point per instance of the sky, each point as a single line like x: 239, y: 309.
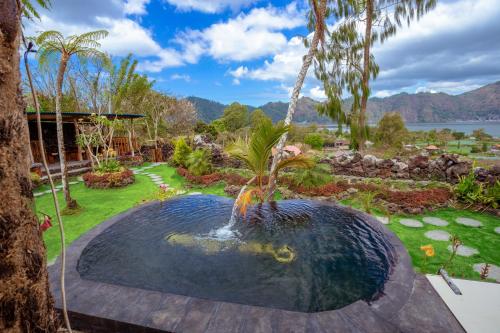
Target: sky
x: 250, y: 51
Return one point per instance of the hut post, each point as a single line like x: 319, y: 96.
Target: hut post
x: 79, y: 149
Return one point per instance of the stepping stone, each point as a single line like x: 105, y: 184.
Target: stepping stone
x: 497, y: 230
x: 47, y: 192
x: 468, y: 222
x: 80, y: 178
x: 73, y: 183
x: 195, y: 193
x: 493, y: 271
x: 38, y: 194
x: 464, y: 251
x: 435, y: 221
x: 382, y: 219
x: 438, y: 235
x: 411, y: 223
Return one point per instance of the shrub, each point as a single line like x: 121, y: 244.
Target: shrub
x: 309, y: 178
x: 468, y: 190
x: 108, y: 179
x: 314, y: 140
x: 36, y: 180
x: 181, y: 152
x: 198, y: 162
x: 109, y: 166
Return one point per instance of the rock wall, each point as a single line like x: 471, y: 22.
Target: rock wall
x: 447, y: 167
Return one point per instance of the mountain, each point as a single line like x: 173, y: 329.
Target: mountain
x: 476, y: 105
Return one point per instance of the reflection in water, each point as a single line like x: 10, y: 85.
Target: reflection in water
x: 294, y: 254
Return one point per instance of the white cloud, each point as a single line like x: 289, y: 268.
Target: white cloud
x: 183, y: 77
x: 246, y: 37
x: 317, y: 93
x: 209, y: 6
x: 239, y: 72
x: 137, y: 7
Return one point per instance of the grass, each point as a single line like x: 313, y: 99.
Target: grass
x: 98, y: 205
x: 484, y: 239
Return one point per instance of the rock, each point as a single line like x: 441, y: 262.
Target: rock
x: 352, y: 190
x: 497, y: 230
x: 370, y: 161
x: 435, y: 221
x: 468, y: 222
x: 438, y: 235
x: 493, y: 271
x: 411, y: 223
x: 232, y: 190
x: 464, y: 251
x: 419, y: 161
x: 454, y: 172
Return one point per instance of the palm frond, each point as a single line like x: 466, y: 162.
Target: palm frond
x: 299, y: 161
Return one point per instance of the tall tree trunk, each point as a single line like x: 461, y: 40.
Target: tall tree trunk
x: 293, y: 101
x: 25, y: 301
x: 70, y: 203
x: 366, y: 75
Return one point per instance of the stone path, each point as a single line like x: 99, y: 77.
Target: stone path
x: 436, y: 221
x: 438, y: 235
x: 468, y: 222
x: 464, y: 251
x: 493, y: 272
x: 382, y: 219
x: 411, y: 223
x: 497, y: 230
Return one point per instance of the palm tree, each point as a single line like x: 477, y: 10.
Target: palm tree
x: 25, y: 300
x: 256, y: 154
x: 317, y: 23
x: 52, y: 44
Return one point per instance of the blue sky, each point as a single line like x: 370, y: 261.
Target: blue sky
x: 249, y: 50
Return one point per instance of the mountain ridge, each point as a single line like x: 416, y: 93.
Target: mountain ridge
x: 482, y: 104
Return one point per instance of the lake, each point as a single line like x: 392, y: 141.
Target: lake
x: 490, y: 127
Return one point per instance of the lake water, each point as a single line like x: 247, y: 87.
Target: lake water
x: 490, y: 127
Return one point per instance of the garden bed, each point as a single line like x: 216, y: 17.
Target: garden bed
x: 109, y: 179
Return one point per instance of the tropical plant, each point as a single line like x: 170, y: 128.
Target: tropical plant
x: 315, y: 140
x: 346, y: 62
x: 198, y: 162
x: 256, y: 155
x: 311, y: 178
x: 317, y: 23
x: 96, y: 136
x: 181, y: 152
x: 52, y: 44
x: 365, y: 199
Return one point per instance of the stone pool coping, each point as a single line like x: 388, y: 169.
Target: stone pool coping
x: 102, y: 307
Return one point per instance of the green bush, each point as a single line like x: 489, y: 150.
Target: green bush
x: 202, y: 128
x: 472, y: 192
x: 198, y: 162
x: 475, y: 149
x: 310, y: 178
x: 181, y: 152
x: 36, y: 180
x: 314, y: 140
x: 109, y: 167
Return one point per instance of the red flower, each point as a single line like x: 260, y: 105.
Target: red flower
x: 46, y: 223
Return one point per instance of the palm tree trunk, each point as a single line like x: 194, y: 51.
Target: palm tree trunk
x: 53, y: 190
x: 70, y: 203
x: 26, y: 304
x: 293, y: 104
x: 366, y: 75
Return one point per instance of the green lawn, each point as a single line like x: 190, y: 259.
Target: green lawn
x: 99, y: 205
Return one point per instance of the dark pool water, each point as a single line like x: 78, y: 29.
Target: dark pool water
x: 295, y: 255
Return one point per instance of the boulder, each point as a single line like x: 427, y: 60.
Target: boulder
x: 232, y: 190
x: 369, y: 162
x: 419, y: 161
x: 454, y: 172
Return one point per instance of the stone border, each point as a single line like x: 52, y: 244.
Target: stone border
x: 102, y: 307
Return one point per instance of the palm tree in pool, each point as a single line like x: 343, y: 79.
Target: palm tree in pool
x: 317, y: 23
x: 256, y: 155
x: 52, y: 44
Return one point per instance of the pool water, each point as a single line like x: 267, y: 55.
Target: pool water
x: 294, y: 255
